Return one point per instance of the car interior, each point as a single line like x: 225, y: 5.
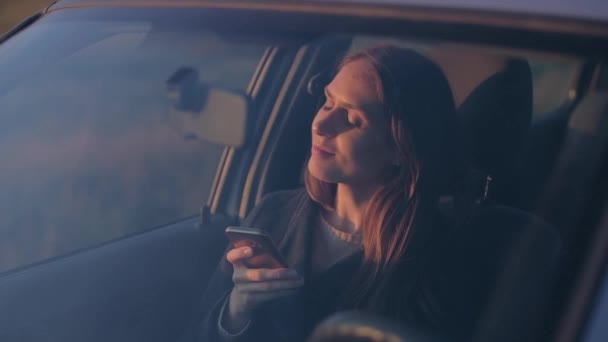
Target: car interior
x: 509, y: 253
x: 496, y: 113
x: 520, y: 254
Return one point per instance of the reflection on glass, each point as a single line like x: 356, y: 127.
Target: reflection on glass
x: 88, y: 153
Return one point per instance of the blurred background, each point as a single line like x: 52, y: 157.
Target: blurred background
x: 14, y: 11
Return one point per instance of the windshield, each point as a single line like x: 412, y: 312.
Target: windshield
x: 426, y: 177
x: 88, y: 151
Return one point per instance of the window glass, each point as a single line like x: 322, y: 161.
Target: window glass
x: 597, y: 330
x: 554, y: 77
x: 90, y: 154
x: 554, y: 82
x: 88, y: 151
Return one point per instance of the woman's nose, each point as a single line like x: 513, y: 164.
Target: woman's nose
x: 323, y: 126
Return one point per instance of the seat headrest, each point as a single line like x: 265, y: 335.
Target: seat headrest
x: 496, y: 116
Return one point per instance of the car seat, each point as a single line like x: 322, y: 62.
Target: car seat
x: 488, y: 244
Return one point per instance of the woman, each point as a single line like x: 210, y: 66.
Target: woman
x: 355, y: 237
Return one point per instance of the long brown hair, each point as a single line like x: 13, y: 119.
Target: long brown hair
x: 417, y: 98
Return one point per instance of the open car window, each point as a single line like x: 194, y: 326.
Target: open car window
x: 89, y: 151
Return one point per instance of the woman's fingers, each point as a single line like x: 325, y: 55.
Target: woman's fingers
x: 264, y: 274
x: 238, y: 254
x: 253, y: 287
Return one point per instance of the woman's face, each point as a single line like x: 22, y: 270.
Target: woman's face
x: 351, y: 140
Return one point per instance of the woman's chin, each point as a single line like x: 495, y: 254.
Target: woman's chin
x: 322, y: 173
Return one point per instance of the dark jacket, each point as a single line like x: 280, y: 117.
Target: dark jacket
x: 289, y: 216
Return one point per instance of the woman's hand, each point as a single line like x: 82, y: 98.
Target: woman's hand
x: 253, y: 287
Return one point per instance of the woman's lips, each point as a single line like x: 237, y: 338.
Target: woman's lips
x: 318, y: 150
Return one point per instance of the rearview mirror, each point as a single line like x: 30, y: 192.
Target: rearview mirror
x: 204, y: 112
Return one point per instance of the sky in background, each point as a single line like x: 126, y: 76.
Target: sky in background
x: 14, y: 11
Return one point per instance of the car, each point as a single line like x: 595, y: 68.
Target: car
x: 132, y: 133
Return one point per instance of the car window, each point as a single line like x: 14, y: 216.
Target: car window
x: 554, y: 82
x: 597, y: 330
x: 554, y: 77
x: 88, y: 151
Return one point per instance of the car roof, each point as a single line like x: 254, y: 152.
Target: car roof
x: 593, y: 10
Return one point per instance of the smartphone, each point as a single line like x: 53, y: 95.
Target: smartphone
x: 265, y: 252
